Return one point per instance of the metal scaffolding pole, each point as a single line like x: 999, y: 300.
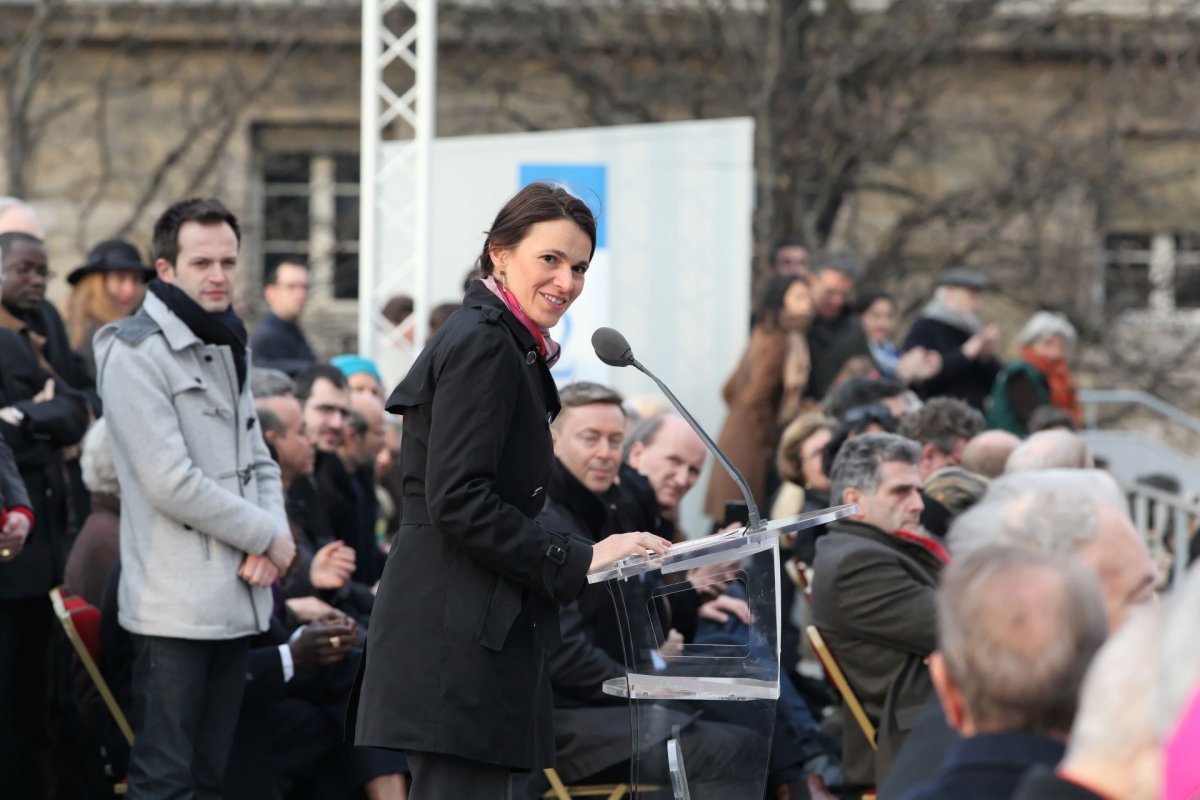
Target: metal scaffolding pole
x: 399, y: 102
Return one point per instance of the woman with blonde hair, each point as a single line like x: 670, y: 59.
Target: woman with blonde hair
x: 109, y: 286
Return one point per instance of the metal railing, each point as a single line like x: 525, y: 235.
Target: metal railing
x: 1092, y: 399
x: 1167, y: 521
x: 1160, y: 516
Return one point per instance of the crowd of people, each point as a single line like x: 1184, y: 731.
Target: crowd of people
x: 228, y: 502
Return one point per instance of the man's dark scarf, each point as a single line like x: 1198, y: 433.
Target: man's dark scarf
x: 216, y: 328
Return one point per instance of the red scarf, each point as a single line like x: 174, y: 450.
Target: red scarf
x: 934, y: 547
x: 1058, y: 378
x: 546, y: 346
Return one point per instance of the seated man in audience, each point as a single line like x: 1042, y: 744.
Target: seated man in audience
x: 874, y: 594
x: 322, y: 568
x: 584, y: 499
x: 362, y: 440
x: 667, y: 452
x: 1052, y: 449
x: 987, y: 453
x: 1113, y: 751
x: 1077, y: 513
x: 942, y: 427
x: 1016, y: 632
x: 1134, y: 737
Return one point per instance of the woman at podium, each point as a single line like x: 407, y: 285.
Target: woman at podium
x: 467, y: 605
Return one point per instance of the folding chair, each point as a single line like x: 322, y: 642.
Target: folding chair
x: 839, y: 680
x: 560, y: 791
x: 81, y: 623
x: 612, y: 791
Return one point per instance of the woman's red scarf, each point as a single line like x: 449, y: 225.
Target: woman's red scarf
x: 546, y: 346
x: 1058, y: 378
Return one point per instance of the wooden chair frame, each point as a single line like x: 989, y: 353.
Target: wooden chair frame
x: 839, y: 680
x: 57, y: 595
x: 560, y: 791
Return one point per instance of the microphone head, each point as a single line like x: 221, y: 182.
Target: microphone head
x: 611, y: 347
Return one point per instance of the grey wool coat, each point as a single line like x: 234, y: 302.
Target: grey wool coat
x: 199, y: 489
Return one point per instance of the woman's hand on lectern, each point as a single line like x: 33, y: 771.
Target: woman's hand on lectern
x: 614, y: 548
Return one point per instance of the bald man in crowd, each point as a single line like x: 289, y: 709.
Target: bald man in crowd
x: 1051, y: 449
x: 987, y: 454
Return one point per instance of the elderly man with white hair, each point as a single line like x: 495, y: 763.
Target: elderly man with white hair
x: 1052, y: 449
x: 1113, y: 748
x: 1017, y: 630
x: 1040, y: 376
x: 1134, y: 736
x: 1076, y: 513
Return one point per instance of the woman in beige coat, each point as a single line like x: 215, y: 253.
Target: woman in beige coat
x: 766, y: 385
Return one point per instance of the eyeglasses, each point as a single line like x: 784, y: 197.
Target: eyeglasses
x: 27, y: 270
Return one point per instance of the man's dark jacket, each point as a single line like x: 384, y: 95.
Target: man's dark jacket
x: 279, y: 344
x: 351, y: 505
x: 925, y: 749
x: 874, y: 601
x: 831, y: 343
x: 37, y: 445
x: 629, y: 506
x: 970, y: 380
x: 308, y: 518
x: 468, y: 604
x: 1041, y: 783
x: 591, y: 729
x: 989, y: 766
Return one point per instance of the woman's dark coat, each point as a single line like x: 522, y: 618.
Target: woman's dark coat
x: 466, y: 608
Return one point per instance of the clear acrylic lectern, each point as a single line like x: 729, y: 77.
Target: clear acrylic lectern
x: 726, y: 682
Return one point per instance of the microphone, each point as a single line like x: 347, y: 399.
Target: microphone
x: 613, y: 349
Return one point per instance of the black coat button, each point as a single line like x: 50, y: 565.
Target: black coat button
x: 530, y: 357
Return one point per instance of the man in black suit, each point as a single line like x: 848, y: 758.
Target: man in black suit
x: 1017, y: 631
x: 873, y: 596
x: 592, y: 731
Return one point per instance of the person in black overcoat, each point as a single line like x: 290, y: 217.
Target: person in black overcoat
x: 950, y: 326
x: 36, y: 424
x: 454, y: 671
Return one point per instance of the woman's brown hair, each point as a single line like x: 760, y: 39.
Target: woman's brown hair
x: 537, y: 202
x: 87, y: 308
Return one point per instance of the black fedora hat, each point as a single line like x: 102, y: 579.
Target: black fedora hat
x: 112, y: 255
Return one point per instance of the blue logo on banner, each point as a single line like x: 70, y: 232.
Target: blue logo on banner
x: 588, y: 182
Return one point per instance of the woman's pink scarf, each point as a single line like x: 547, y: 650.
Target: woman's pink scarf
x: 549, y: 348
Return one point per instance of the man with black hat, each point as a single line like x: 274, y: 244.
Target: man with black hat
x: 108, y: 286
x: 950, y: 325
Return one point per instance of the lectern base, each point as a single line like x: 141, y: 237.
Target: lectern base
x: 637, y: 686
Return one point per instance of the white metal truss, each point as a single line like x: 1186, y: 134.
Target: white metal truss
x: 399, y: 84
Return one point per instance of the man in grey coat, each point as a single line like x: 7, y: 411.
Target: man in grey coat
x: 874, y: 594
x: 203, y: 528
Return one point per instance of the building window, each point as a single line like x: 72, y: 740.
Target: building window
x: 1157, y: 272
x: 310, y: 212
